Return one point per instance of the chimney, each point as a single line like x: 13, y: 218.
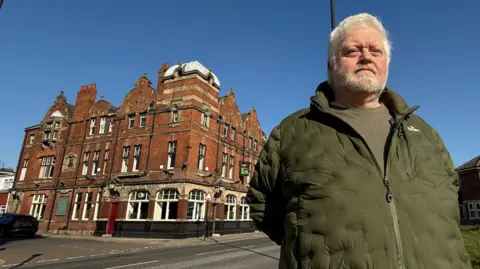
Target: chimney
x: 161, y: 74
x: 85, y: 99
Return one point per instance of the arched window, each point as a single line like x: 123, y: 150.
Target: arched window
x: 196, y: 205
x: 138, y: 205
x: 166, y: 206
x: 230, y: 207
x: 245, y: 209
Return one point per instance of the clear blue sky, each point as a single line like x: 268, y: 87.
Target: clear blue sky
x: 273, y: 53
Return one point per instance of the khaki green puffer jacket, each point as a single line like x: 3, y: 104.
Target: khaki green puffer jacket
x: 318, y: 192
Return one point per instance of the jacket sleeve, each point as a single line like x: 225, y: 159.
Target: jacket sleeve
x: 447, y: 159
x: 267, y: 206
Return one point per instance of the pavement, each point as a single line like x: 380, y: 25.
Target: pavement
x: 54, y: 251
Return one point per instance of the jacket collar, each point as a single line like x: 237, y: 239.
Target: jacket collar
x: 324, y: 95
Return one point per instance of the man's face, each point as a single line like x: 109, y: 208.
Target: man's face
x: 361, y: 64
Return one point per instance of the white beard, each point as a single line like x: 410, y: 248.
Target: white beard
x: 364, y: 81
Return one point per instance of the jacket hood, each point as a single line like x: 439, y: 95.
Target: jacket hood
x: 324, y: 94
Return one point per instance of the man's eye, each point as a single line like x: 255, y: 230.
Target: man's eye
x: 376, y: 51
x: 352, y: 51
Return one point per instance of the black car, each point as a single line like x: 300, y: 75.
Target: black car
x: 18, y: 224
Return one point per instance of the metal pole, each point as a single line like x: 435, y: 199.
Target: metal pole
x: 332, y: 13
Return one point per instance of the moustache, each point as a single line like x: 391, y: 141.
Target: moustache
x: 363, y: 68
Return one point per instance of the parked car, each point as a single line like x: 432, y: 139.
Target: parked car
x: 18, y: 224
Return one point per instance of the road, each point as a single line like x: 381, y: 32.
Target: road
x: 82, y: 254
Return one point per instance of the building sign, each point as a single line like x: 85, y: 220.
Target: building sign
x: 244, y: 169
x: 62, y: 206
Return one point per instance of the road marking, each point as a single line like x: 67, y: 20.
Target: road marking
x: 223, y: 250
x: 51, y: 260
x: 78, y: 257
x: 132, y: 264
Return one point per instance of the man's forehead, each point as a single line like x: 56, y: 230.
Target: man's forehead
x: 363, y: 35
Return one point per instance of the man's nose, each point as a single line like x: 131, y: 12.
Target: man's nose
x: 366, y: 56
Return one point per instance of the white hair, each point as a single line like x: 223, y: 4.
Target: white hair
x: 341, y: 31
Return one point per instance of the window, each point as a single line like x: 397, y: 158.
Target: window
x: 57, y: 125
x: 471, y: 211
x: 137, y: 205
x: 71, y: 162
x: 234, y: 132
x: 47, y: 167
x: 98, y: 203
x: 38, y: 206
x: 110, y: 125
x: 103, y: 122
x: 196, y: 205
x: 255, y: 145
x: 224, y: 164
x: 232, y: 167
x: 126, y: 152
x: 46, y: 135
x: 92, y: 126
x: 32, y: 139
x: 225, y: 129
x: 136, y: 157
x: 249, y: 143
x: 230, y: 207
x: 77, y: 206
x: 87, y: 206
x: 96, y: 157
x: 166, y: 207
x: 86, y: 158
x: 24, y: 170
x: 143, y: 119
x: 131, y: 121
x: 201, y: 156
x: 204, y: 119
x: 105, y: 161
x: 172, y: 152
x: 55, y: 135
x: 175, y: 116
x: 49, y: 125
x: 245, y: 209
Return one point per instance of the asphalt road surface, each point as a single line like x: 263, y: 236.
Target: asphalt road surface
x: 81, y: 254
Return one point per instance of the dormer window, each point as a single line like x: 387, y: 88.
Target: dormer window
x: 204, y: 119
x: 131, y: 121
x: 92, y: 126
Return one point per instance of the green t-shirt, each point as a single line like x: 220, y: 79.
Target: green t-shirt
x: 371, y: 123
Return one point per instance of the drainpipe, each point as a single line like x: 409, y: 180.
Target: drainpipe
x: 58, y: 177
x: 219, y: 120
x: 150, y: 141
x: 76, y: 176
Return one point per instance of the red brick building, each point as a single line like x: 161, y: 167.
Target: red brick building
x: 469, y: 191
x: 159, y: 165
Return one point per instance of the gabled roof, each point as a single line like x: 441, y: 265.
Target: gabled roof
x: 472, y: 164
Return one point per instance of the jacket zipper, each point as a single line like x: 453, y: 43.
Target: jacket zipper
x: 389, y: 196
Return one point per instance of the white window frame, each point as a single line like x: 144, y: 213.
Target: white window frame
x: 37, y: 209
x: 105, y: 161
x: 175, y: 116
x: 96, y: 160
x: 77, y: 205
x: 231, y: 167
x: 23, y: 172
x: 103, y: 123
x: 225, y: 130
x: 172, y: 153
x: 245, y: 209
x: 196, y: 201
x: 224, y: 164
x: 205, y: 120
x: 134, y: 200
x: 47, y: 166
x: 125, y: 156
x: 143, y: 119
x: 136, y: 157
x: 230, y: 207
x: 165, y: 197
x: 255, y: 145
x: 92, y: 126
x: 86, y: 160
x: 131, y: 121
x: 233, y: 133
x: 87, y: 206
x: 32, y: 139
x: 55, y: 135
x: 202, y: 149
x: 46, y: 135
x: 96, y: 210
x: 110, y: 125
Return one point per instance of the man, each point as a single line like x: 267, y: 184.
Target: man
x: 358, y: 180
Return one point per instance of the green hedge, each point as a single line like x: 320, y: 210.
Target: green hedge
x: 472, y: 243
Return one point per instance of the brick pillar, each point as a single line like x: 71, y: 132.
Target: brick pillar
x: 182, y: 209
x: 151, y: 209
x: 220, y: 211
